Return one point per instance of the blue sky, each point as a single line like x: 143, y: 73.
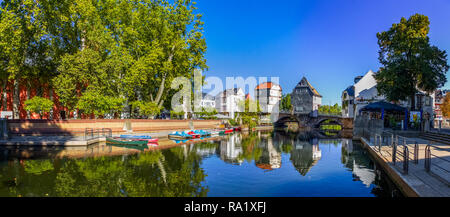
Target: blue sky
x: 328, y: 41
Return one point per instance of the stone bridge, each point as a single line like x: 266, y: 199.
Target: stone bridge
x: 308, y: 120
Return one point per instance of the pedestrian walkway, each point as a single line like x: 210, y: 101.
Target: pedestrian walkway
x: 412, y: 170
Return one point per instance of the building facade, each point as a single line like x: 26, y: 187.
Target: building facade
x: 269, y: 96
x: 305, y: 98
x: 227, y: 102
x: 208, y: 101
x: 438, y: 116
x: 364, y: 91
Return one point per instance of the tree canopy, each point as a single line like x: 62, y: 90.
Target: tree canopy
x: 127, y: 49
x: 410, y: 62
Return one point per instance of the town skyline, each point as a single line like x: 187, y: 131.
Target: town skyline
x: 328, y: 42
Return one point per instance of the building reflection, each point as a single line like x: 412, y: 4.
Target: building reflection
x: 230, y: 149
x: 305, y: 155
x: 353, y: 158
x: 271, y: 157
x: 303, y: 148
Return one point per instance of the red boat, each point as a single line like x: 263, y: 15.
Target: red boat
x: 150, y: 141
x: 195, y: 136
x: 227, y: 131
x: 237, y: 129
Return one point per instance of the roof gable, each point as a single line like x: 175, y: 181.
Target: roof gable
x: 304, y: 83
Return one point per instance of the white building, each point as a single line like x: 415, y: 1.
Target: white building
x: 269, y: 96
x: 227, y: 102
x: 208, y: 101
x: 364, y: 91
x: 360, y: 94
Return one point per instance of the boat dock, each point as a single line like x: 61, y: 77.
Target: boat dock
x: 419, y: 167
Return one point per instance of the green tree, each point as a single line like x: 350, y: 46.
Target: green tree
x: 330, y: 110
x: 39, y: 105
x: 249, y: 117
x: 98, y: 104
x: 409, y: 62
x: 286, y: 102
x: 24, y: 47
x: 147, y: 108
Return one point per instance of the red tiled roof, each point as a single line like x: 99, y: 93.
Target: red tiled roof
x: 266, y: 85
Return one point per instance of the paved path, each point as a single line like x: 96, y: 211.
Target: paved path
x: 432, y: 184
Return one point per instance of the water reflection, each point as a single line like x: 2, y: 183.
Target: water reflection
x: 191, y: 169
x: 353, y: 159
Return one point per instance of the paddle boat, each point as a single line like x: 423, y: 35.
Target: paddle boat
x: 202, y: 133
x: 227, y: 131
x: 135, y: 137
x: 180, y: 135
x: 194, y: 135
x: 215, y: 133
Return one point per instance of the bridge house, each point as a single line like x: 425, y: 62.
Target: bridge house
x: 305, y: 98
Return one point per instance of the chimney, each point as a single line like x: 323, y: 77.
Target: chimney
x: 358, y: 78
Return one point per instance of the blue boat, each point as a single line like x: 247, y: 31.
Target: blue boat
x: 135, y: 137
x: 180, y: 136
x: 202, y: 133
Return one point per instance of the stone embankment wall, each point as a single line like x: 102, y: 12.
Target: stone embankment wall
x: 363, y: 124
x: 77, y: 127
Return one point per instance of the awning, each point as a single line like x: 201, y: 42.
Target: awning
x: 379, y: 106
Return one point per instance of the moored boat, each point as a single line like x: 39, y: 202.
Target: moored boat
x: 193, y: 134
x: 237, y: 128
x: 135, y: 137
x: 150, y: 141
x: 138, y: 147
x: 180, y: 136
x: 123, y: 141
x: 227, y: 131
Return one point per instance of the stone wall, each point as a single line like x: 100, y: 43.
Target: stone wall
x: 77, y: 127
x: 363, y: 123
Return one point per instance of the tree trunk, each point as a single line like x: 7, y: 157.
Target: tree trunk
x: 28, y: 97
x: 16, y: 99
x: 413, y: 102
x: 50, y: 92
x: 163, y: 81
x: 4, y: 95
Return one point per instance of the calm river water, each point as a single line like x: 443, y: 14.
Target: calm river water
x: 259, y: 164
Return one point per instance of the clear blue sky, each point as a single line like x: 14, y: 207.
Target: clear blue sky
x: 328, y: 41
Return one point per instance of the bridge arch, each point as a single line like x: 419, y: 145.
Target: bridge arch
x: 332, y: 120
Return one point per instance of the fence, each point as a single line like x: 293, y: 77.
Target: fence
x: 429, y: 155
x: 403, y: 148
x: 90, y: 133
x: 400, y: 146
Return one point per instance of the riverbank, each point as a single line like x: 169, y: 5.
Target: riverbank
x: 410, y: 176
x: 81, y: 141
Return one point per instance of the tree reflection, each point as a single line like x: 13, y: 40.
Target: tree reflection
x: 250, y: 148
x: 134, y: 175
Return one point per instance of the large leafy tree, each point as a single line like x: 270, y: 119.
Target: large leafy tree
x: 445, y: 107
x: 23, y: 44
x: 410, y: 62
x: 130, y: 49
